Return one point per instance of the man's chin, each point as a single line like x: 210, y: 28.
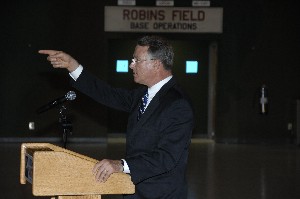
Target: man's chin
x: 135, y: 79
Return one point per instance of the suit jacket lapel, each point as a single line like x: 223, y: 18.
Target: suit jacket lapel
x: 155, y: 102
x: 132, y: 120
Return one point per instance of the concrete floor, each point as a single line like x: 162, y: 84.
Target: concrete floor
x: 215, y: 171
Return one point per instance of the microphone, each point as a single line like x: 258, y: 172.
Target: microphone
x: 71, y: 95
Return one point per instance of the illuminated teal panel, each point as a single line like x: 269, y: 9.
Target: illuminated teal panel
x: 191, y: 67
x: 122, y: 66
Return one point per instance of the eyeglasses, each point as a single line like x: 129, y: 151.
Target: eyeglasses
x: 134, y: 60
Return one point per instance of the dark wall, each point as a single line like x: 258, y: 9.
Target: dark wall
x: 259, y: 45
x: 27, y: 79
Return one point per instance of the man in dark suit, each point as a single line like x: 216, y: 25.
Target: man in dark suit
x: 160, y: 119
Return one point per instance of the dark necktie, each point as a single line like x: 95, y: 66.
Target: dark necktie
x: 143, y: 104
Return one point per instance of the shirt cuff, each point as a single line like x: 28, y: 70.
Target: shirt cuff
x: 76, y: 73
x: 126, y: 167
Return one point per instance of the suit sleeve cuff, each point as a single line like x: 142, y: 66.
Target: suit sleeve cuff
x: 76, y: 73
x: 125, y: 167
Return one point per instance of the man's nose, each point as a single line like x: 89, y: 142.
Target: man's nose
x: 131, y: 65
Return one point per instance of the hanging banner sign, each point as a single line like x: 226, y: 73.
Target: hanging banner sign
x: 163, y: 19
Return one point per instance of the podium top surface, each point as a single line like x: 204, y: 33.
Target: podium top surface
x: 58, y: 171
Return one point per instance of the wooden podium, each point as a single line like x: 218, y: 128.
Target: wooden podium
x: 63, y: 174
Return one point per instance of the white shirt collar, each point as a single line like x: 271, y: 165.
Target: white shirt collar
x: 156, y: 87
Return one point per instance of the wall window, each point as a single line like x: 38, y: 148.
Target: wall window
x: 122, y: 66
x: 191, y: 67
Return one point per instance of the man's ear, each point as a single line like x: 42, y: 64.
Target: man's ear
x: 158, y: 65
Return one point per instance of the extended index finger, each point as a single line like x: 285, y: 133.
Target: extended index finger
x: 49, y: 52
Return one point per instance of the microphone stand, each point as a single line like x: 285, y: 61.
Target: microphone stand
x: 65, y: 124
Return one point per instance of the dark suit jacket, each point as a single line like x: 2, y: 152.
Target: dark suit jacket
x: 156, y: 145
